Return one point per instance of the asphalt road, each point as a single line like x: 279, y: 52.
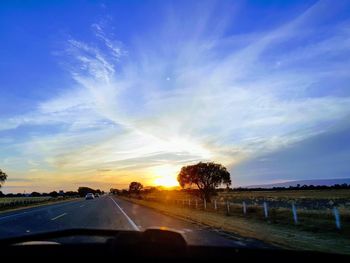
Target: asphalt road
x: 110, y: 213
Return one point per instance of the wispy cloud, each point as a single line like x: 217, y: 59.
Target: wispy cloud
x: 187, y: 95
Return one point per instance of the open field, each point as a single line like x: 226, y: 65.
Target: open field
x: 314, y: 209
x: 329, y: 194
x: 304, y: 199
x: 268, y: 215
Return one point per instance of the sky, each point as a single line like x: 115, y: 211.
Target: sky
x: 101, y: 93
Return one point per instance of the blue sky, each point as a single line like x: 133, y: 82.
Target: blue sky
x: 103, y: 92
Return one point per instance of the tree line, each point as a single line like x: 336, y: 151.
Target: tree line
x: 204, y: 180
x: 134, y: 188
x: 204, y: 177
x: 81, y: 192
x: 297, y: 187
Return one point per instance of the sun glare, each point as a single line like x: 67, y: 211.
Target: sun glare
x: 166, y: 175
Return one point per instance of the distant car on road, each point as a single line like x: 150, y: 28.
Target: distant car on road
x: 89, y: 196
x: 97, y: 195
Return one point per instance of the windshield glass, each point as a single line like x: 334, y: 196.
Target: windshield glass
x: 226, y: 121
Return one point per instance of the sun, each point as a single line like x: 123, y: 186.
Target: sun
x: 166, y: 175
x: 167, y: 181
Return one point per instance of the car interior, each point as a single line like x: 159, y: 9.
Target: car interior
x: 151, y: 244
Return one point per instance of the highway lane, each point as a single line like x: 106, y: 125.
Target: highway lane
x: 109, y: 213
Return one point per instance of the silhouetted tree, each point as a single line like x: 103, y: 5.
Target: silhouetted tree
x: 53, y: 194
x: 135, y: 187
x: 85, y: 190
x: 206, y: 176
x: 3, y: 177
x: 35, y: 194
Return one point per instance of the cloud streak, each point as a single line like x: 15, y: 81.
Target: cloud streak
x: 199, y: 97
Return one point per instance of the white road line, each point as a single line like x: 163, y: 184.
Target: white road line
x: 52, y: 219
x: 37, y: 210
x: 9, y: 216
x: 82, y: 206
x: 135, y: 227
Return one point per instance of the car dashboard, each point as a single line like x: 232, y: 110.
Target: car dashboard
x: 151, y: 244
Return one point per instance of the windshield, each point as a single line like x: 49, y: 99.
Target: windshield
x: 226, y: 121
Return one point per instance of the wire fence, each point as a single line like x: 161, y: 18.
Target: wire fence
x: 311, y: 216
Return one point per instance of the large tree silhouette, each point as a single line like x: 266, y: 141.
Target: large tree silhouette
x: 206, y: 176
x: 135, y: 187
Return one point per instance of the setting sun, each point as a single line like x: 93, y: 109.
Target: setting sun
x: 166, y: 175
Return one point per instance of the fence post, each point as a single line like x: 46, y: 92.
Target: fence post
x: 183, y: 203
x: 189, y: 203
x: 244, y: 208
x: 205, y: 204
x: 336, y: 217
x: 196, y: 203
x: 215, y: 206
x: 266, y: 212
x: 228, y: 207
x: 295, y: 215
